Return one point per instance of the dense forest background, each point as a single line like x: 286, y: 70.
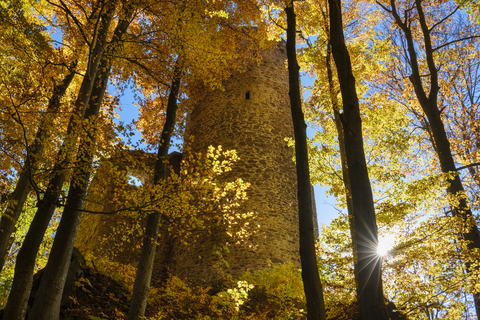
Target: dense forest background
x: 395, y: 111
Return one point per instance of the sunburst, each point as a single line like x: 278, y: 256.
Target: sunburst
x: 385, y: 244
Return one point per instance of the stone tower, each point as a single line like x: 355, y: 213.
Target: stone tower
x: 252, y: 115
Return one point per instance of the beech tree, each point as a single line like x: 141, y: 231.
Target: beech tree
x: 48, y: 300
x: 97, y: 49
x: 369, y: 106
x: 308, y: 257
x: 144, y: 271
x: 26, y: 92
x: 24, y: 270
x: 318, y: 58
x: 22, y: 186
x: 365, y: 238
x: 418, y: 27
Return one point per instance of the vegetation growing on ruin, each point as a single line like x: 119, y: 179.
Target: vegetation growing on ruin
x: 394, y: 107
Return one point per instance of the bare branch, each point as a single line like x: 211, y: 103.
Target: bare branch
x: 383, y: 7
x: 454, y: 41
x: 468, y: 166
x: 441, y: 21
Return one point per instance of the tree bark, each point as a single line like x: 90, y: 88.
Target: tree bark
x: 367, y: 264
x: 49, y: 295
x: 341, y: 145
x: 311, y: 278
x: 77, y: 116
x: 15, y: 204
x: 138, y: 303
x: 25, y: 264
x: 441, y: 144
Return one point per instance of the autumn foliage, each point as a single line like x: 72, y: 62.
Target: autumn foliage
x: 66, y: 66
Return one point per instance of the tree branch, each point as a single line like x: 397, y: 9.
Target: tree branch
x: 468, y: 166
x: 75, y: 20
x: 454, y: 41
x: 441, y: 21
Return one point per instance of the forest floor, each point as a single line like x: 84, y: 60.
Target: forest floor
x: 97, y: 297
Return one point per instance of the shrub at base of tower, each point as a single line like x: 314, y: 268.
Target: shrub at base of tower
x: 101, y: 289
x: 194, y: 203
x: 271, y: 293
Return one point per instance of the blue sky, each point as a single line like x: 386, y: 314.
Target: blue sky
x: 326, y: 210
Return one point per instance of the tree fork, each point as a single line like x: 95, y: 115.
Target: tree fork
x: 367, y: 265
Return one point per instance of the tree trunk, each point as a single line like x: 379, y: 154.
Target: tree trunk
x: 25, y: 264
x: 441, y: 144
x: 22, y: 189
x: 367, y: 264
x: 341, y: 145
x: 49, y: 295
x: 311, y: 279
x: 77, y: 116
x: 138, y: 303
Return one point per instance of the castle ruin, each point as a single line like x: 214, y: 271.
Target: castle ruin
x: 252, y: 115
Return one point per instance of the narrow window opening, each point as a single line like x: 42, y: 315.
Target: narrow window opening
x: 247, y: 95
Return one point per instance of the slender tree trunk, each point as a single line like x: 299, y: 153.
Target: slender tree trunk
x: 19, y: 196
x: 78, y: 113
x: 469, y: 229
x: 311, y: 279
x: 25, y: 264
x: 441, y: 144
x: 368, y: 265
x: 341, y: 145
x: 138, y: 303
x: 49, y: 296
x: 18, y: 299
x: 391, y: 307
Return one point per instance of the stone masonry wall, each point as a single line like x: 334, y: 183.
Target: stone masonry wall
x: 252, y: 115
x: 107, y: 235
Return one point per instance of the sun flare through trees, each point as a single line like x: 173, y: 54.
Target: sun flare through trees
x: 389, y: 126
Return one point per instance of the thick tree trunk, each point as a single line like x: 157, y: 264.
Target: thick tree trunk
x: 441, y: 144
x: 311, y: 279
x: 367, y: 265
x: 19, y: 196
x: 49, y: 295
x: 138, y: 303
